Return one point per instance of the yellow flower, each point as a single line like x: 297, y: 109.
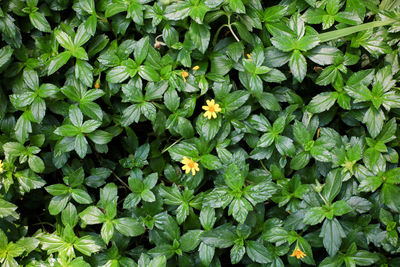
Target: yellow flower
x: 1, y: 166
x: 196, y: 67
x: 298, y: 253
x: 249, y: 57
x: 190, y: 165
x: 211, y: 109
x: 184, y: 75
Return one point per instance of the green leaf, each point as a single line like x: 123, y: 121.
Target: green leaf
x: 87, y: 5
x: 210, y: 162
x: 148, y: 73
x: 370, y: 184
x: 314, y: 216
x: 233, y: 177
x: 58, y: 61
x: 36, y: 164
x: 284, y: 43
x: 285, y: 146
x: 190, y: 240
x: 237, y: 253
x: 300, y: 160
x: 64, y: 40
x: 38, y: 109
x: 81, y: 196
x: 117, y: 74
x: 130, y: 114
x: 5, y: 55
x: 221, y: 237
x: 332, y: 233
x: 58, y: 203
x: 332, y: 185
x: 208, y: 129
x: 88, y: 245
x: 141, y: 50
x: 84, y: 72
x: 235, y: 100
x: 177, y: 10
x: 92, y: 215
x: 322, y: 102
x: 307, y: 42
x: 298, y: 65
x: 206, y: 253
x: 257, y: 252
x: 239, y: 208
x: 374, y: 118
x: 115, y: 8
x: 128, y: 226
x: 237, y: 6
x: 39, y: 22
x: 69, y: 215
x: 389, y: 196
x: 340, y: 208
x: 274, y: 13
x: 7, y: 209
x: 200, y: 36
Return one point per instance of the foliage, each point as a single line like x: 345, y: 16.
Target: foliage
x: 199, y: 133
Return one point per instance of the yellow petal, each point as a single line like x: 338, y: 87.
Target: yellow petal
x: 205, y: 107
x: 212, y: 102
x: 214, y: 115
x: 184, y: 160
x: 208, y: 102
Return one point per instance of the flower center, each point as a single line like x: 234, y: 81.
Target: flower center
x: 191, y: 164
x: 211, y: 109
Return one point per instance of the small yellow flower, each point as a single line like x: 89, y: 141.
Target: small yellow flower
x: 190, y: 165
x: 298, y: 253
x: 1, y: 166
x: 184, y: 75
x: 249, y: 57
x: 211, y: 109
x: 196, y: 67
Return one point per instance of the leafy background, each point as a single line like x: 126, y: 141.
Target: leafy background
x: 101, y: 100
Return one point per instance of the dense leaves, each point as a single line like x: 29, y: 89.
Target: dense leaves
x: 199, y: 133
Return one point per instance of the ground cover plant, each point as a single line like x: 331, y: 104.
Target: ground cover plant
x: 199, y: 133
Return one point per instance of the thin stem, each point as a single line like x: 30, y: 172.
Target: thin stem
x: 122, y: 182
x: 44, y: 223
x: 262, y: 164
x: 323, y: 199
x: 230, y: 28
x: 174, y: 143
x: 217, y: 33
x: 332, y: 35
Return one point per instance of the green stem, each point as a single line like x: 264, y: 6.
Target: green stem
x: 174, y: 143
x: 332, y: 35
x: 323, y: 199
x: 217, y: 33
x: 230, y: 28
x: 121, y: 181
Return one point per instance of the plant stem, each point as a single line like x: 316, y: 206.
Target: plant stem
x: 332, y: 35
x: 174, y: 143
x: 323, y: 199
x: 122, y: 182
x: 230, y: 28
x: 217, y: 33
